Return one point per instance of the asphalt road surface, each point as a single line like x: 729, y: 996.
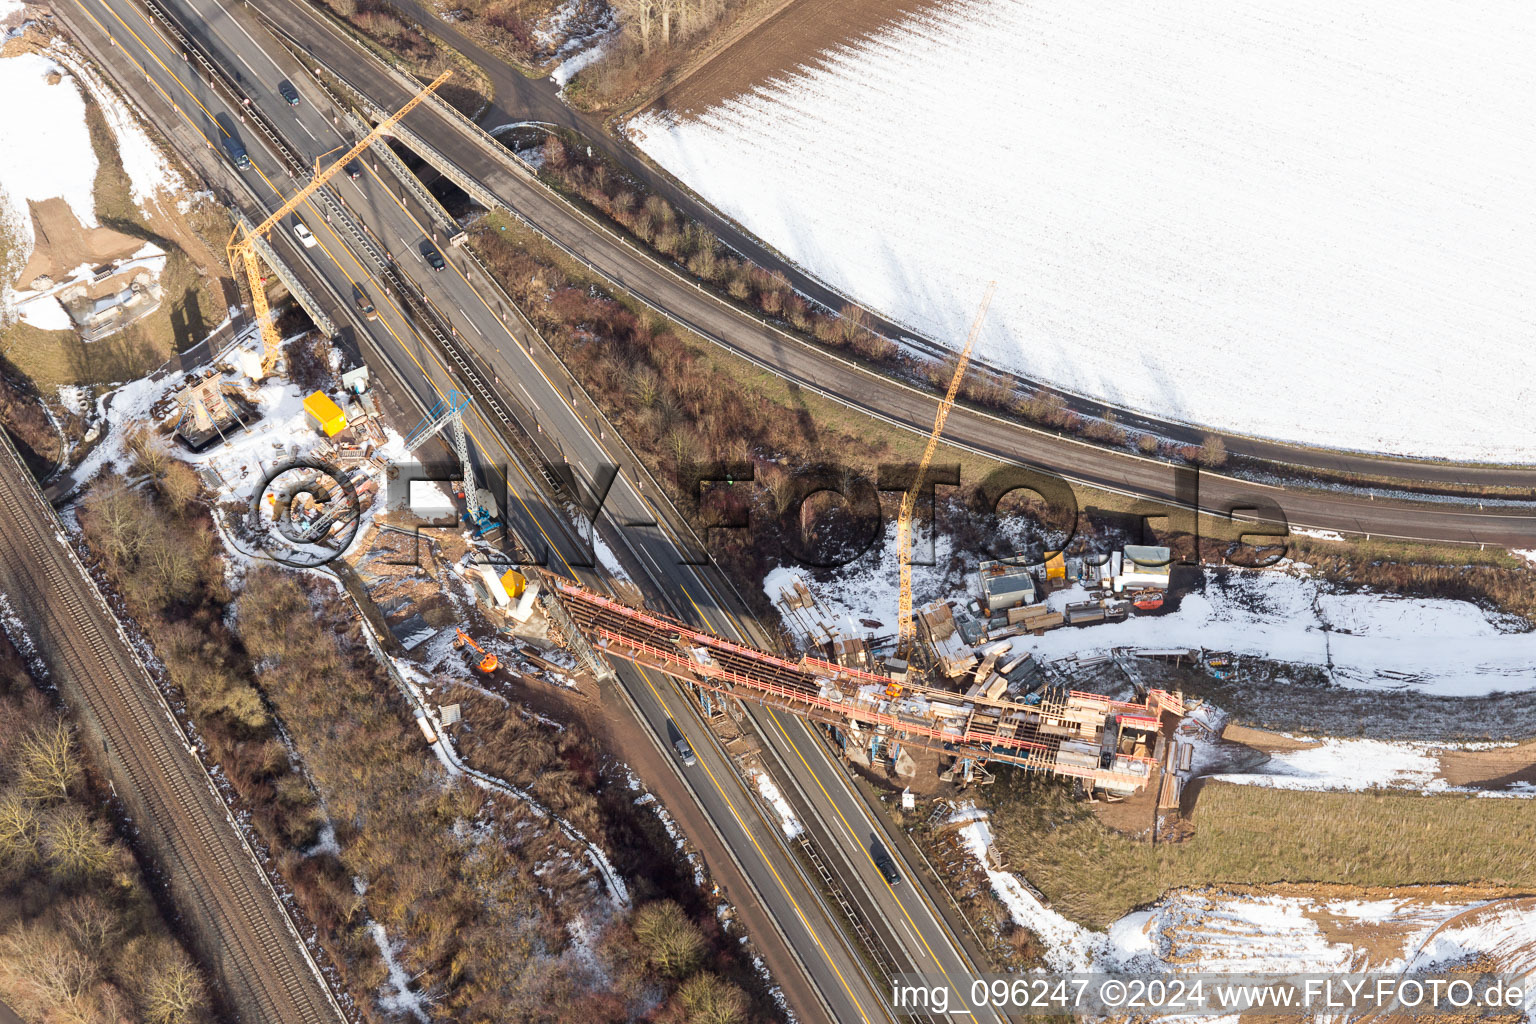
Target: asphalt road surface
x: 344, y: 264
x: 1511, y: 525
x: 516, y: 98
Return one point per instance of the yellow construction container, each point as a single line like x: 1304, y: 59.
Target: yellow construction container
x: 325, y: 414
x: 1056, y: 567
x: 515, y: 582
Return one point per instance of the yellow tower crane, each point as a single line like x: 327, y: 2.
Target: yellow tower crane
x: 242, y: 250
x: 906, y: 626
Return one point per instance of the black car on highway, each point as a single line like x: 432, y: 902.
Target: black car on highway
x: 432, y: 256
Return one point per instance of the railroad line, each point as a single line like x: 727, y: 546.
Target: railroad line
x: 237, y: 922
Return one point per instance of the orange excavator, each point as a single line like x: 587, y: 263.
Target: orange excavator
x: 488, y: 660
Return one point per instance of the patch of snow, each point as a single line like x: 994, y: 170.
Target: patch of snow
x: 398, y: 998
x: 568, y: 68
x: 770, y: 792
x: 149, y: 171
x: 1364, y: 640
x: 869, y: 586
x: 606, y: 558
x: 326, y: 843
x: 1069, y: 946
x: 1329, y: 763
x: 75, y: 398
x: 1182, y: 203
x: 57, y: 160
x: 577, y: 32
x: 1219, y: 932
x: 1349, y: 764
x: 45, y: 313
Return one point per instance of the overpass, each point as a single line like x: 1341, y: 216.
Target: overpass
x: 968, y: 728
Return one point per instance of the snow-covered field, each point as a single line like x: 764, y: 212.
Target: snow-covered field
x: 1251, y: 933
x: 1372, y: 641
x: 1313, y: 222
x: 48, y: 152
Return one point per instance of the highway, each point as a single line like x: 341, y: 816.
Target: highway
x: 517, y: 97
x: 345, y: 262
x: 232, y: 914
x: 1511, y: 525
x: 534, y: 392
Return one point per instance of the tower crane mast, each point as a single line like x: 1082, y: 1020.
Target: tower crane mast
x: 906, y: 627
x: 242, y: 249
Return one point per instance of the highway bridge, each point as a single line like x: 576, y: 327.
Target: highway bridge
x: 455, y: 329
x: 969, y: 728
x: 526, y: 405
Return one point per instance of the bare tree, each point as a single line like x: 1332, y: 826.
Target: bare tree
x: 706, y: 999
x: 46, y: 767
x: 150, y: 455
x: 639, y: 14
x: 173, y: 993
x: 672, y: 942
x: 20, y: 825
x: 855, y: 321
x: 1213, y: 454
x: 60, y: 972
x: 75, y: 845
x: 92, y: 925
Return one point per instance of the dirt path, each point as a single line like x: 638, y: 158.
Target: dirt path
x: 1263, y: 739
x: 1490, y: 769
x: 788, y: 39
x: 63, y: 243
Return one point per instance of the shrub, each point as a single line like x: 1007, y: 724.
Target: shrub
x: 1105, y: 430
x: 671, y: 942
x: 705, y: 999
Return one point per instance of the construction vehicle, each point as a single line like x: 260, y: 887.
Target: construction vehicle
x: 906, y: 625
x: 488, y: 661
x: 242, y: 249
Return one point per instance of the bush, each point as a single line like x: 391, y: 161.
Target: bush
x: 670, y: 941
x: 705, y: 999
x: 1213, y: 453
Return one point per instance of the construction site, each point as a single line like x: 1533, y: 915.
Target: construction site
x: 946, y: 699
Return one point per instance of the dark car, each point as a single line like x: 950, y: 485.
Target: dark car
x: 354, y: 170
x: 289, y: 93
x: 432, y: 256
x: 886, y: 865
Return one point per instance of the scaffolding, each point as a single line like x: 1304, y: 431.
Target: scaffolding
x: 447, y: 417
x: 976, y: 729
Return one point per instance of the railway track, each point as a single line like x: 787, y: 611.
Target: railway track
x: 236, y: 919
